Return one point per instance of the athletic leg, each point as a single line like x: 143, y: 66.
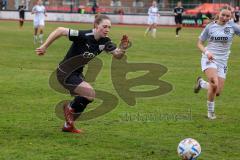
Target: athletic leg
x: 212, y: 76
x: 178, y: 29
x: 35, y: 34
x: 149, y: 28
x: 84, y: 94
x: 154, y: 30
x: 41, y: 34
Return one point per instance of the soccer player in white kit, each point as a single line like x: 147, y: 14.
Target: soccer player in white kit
x: 219, y: 35
x: 153, y: 15
x: 39, y: 21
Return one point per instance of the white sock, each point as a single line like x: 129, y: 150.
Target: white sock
x: 35, y: 37
x: 41, y: 37
x: 147, y: 30
x: 210, y: 106
x: 65, y: 124
x: 154, y: 30
x: 204, y: 84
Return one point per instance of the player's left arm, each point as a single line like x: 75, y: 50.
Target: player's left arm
x: 149, y: 10
x: 33, y: 10
x: 158, y: 13
x: 118, y: 52
x: 236, y: 28
x: 175, y: 11
x: 112, y: 48
x: 45, y: 12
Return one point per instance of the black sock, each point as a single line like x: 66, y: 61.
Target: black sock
x: 177, y: 30
x: 79, y: 104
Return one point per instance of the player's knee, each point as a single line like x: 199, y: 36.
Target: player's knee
x: 85, y: 90
x: 214, y: 87
x: 89, y: 93
x: 213, y: 83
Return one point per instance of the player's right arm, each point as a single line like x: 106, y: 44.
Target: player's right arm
x: 45, y: 12
x: 33, y: 10
x: 57, y: 33
x: 175, y: 11
x: 149, y: 10
x: 200, y: 44
x: 202, y: 48
x: 236, y: 28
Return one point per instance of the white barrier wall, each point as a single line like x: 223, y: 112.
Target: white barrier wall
x: 76, y: 17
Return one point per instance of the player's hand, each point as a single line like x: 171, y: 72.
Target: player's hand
x: 209, y: 55
x: 125, y: 43
x: 40, y: 51
x: 118, y: 53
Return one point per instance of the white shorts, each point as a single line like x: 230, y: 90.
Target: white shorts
x: 152, y: 19
x: 38, y: 22
x: 220, y: 66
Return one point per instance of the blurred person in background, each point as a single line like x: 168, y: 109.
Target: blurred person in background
x: 199, y: 19
x: 153, y: 15
x: 94, y: 7
x: 4, y: 4
x: 21, y: 9
x: 236, y: 15
x: 120, y: 12
x: 1, y: 5
x: 39, y: 12
x: 209, y: 15
x: 178, y: 11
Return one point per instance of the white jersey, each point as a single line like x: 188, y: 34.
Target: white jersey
x: 39, y: 11
x: 153, y: 15
x: 153, y: 11
x: 219, y: 39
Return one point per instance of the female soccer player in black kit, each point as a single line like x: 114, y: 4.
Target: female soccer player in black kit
x: 236, y: 15
x: 86, y: 45
x: 21, y: 9
x: 178, y: 11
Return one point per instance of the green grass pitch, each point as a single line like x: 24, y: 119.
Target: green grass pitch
x: 150, y: 130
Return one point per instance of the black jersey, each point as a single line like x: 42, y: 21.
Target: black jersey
x: 21, y: 10
x: 237, y: 15
x: 84, y: 44
x: 178, y: 12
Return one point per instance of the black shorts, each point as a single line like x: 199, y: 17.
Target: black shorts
x: 21, y: 15
x: 69, y: 81
x: 178, y: 20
